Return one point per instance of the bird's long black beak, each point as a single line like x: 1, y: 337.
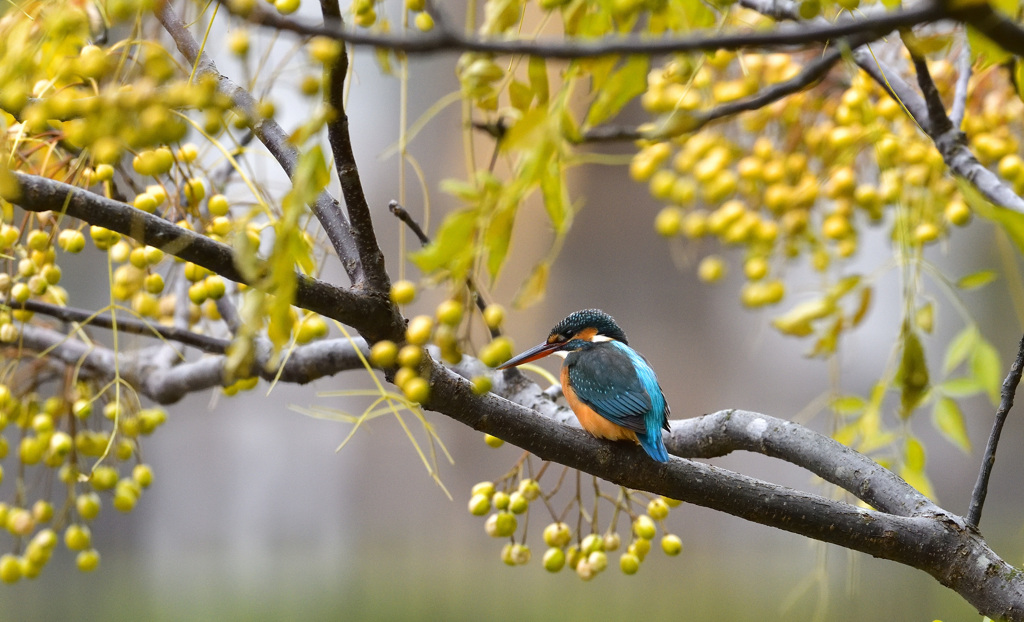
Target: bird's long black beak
x: 534, y: 353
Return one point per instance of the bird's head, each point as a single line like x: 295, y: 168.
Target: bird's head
x: 572, y: 333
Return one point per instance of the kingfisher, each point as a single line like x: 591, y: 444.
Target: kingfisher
x: 609, y: 386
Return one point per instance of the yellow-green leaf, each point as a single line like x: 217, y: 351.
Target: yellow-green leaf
x: 963, y: 386
x: 533, y: 289
x: 520, y: 95
x: 452, y: 247
x: 625, y: 84
x: 925, y: 317
x: 497, y: 238
x: 984, y: 50
x: 537, y: 72
x: 950, y: 422
x: 846, y: 405
x: 960, y: 347
x: 1018, y: 74
x: 978, y: 279
x: 915, y: 454
x: 1011, y: 222
x: 556, y: 199
x: 912, y: 375
x: 987, y: 369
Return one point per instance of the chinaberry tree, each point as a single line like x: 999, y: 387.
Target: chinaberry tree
x: 785, y: 132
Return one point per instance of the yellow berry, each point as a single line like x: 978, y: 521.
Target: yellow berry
x: 494, y: 316
x: 416, y: 390
x: 668, y: 221
x: 657, y: 508
x: 493, y: 441
x: 419, y: 330
x: 671, y: 544
x: 449, y: 312
x: 554, y: 559
x: 557, y: 534
x: 88, y: 560
x: 410, y: 356
x: 384, y: 353
x: 479, y: 504
x: 711, y: 269
x: 644, y: 527
x: 403, y: 292
x: 629, y: 563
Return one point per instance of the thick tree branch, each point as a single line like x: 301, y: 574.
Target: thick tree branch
x: 372, y: 259
x: 950, y: 143
x: 166, y: 384
x: 325, y: 208
x: 989, y: 459
x: 442, y: 40
x: 941, y: 544
x: 372, y: 315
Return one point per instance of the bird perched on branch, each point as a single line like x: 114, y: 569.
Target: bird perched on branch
x: 609, y: 385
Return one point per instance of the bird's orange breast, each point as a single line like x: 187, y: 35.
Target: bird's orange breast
x: 591, y: 421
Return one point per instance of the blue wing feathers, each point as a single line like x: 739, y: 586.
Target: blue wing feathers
x: 619, y: 384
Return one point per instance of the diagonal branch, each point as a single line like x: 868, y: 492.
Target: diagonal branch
x: 370, y: 256
x: 325, y: 208
x: 373, y: 316
x: 166, y: 384
x: 950, y: 143
x: 989, y: 459
x: 940, y: 544
x: 130, y: 325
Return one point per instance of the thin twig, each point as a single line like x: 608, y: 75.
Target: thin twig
x: 403, y: 214
x: 989, y: 459
x: 938, y: 120
x: 440, y: 40
x: 956, y: 116
x: 276, y: 140
x: 133, y: 326
x: 374, y: 272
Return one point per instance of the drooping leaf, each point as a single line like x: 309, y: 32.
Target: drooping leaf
x: 987, y: 369
x: 976, y: 280
x: 914, y: 458
x: 452, y: 247
x: 960, y: 347
x: 520, y: 95
x: 498, y: 237
x: 963, y: 386
x: 533, y: 289
x: 985, y: 51
x: 949, y: 420
x: 1011, y: 222
x: 537, y: 72
x: 847, y: 405
x: 912, y: 375
x: 925, y: 317
x: 556, y: 199
x: 625, y: 84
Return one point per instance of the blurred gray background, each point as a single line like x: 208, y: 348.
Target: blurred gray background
x: 253, y: 516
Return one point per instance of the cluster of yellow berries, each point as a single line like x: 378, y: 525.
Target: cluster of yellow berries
x: 57, y: 434
x: 441, y: 329
x: 588, y: 557
x: 804, y: 175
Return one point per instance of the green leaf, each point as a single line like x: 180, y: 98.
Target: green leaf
x: 498, y: 237
x: 556, y: 199
x: 976, y: 280
x: 533, y: 289
x: 987, y: 369
x: 984, y: 51
x: 912, y: 375
x: 464, y: 190
x: 692, y: 14
x: 1011, y: 222
x: 1018, y: 74
x: 520, y: 95
x: 964, y: 386
x: 950, y: 422
x: 624, y: 85
x: 537, y: 72
x: 847, y: 405
x: 960, y: 347
x: 915, y: 454
x: 452, y: 248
